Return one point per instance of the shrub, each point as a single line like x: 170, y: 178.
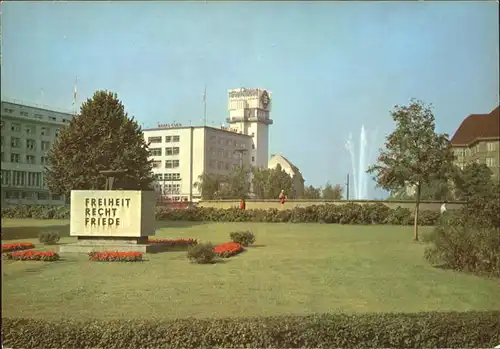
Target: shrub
x: 465, y: 247
x: 244, y: 238
x: 17, y: 246
x: 110, y: 256
x: 174, y: 242
x: 32, y: 256
x: 49, y: 237
x: 201, y: 253
x: 385, y: 330
x: 228, y: 249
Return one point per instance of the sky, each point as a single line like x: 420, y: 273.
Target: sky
x: 331, y: 66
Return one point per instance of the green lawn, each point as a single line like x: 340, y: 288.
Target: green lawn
x: 295, y: 269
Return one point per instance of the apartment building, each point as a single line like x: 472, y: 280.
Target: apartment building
x: 27, y: 134
x: 477, y: 139
x: 181, y: 154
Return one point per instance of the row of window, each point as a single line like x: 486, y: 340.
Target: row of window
x: 168, y: 151
x: 168, y: 139
x: 168, y: 176
x: 227, y: 141
x: 490, y: 162
x: 31, y: 144
x: 30, y: 159
x: 168, y: 188
x: 168, y: 164
x: 490, y: 146
x: 29, y: 195
x: 35, y: 115
x: 23, y: 178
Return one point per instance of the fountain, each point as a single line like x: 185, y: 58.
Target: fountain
x: 359, y: 174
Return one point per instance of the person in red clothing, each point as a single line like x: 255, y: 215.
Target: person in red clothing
x: 282, y: 197
x: 242, y: 204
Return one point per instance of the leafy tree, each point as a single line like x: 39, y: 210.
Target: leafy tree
x: 233, y: 186
x: 209, y: 185
x: 474, y: 180
x: 414, y: 153
x: 101, y: 137
x: 312, y: 193
x: 238, y: 184
x: 268, y: 183
x: 330, y: 192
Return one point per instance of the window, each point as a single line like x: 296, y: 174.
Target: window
x: 57, y: 132
x: 44, y: 160
x: 169, y: 151
x: 155, y: 152
x: 30, y: 130
x: 221, y: 153
x: 45, y: 145
x: 15, y: 158
x: 24, y: 113
x: 172, y: 176
x: 176, y: 139
x: 5, y: 177
x: 253, y: 146
x: 171, y: 163
x: 45, y: 131
x: 30, y: 144
x: 154, y: 140
x: 34, y: 179
x: 220, y: 164
x: 159, y: 176
x: 175, y: 150
x: 253, y: 158
x: 12, y: 194
x: 52, y: 118
x: 65, y: 120
x: 15, y: 142
x: 168, y: 139
x: 56, y: 197
x: 8, y: 110
x: 491, y: 146
x: 30, y: 159
x: 18, y: 177
x: 156, y: 164
x: 491, y: 162
x: 226, y: 166
x: 213, y: 138
x: 43, y: 195
x: 38, y: 116
x: 211, y: 164
x: 26, y: 195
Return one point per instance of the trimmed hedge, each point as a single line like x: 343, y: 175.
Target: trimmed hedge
x: 344, y: 214
x: 421, y: 330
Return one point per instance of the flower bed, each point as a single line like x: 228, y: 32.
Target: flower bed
x: 174, y: 242
x: 32, y: 256
x: 17, y: 246
x: 228, y: 249
x: 109, y: 256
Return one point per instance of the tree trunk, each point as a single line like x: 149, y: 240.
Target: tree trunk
x: 417, y: 206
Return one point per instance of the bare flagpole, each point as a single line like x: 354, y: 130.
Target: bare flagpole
x: 205, y: 106
x: 75, y: 95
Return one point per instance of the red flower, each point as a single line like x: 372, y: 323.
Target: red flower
x: 17, y: 246
x: 174, y: 242
x: 33, y: 256
x: 115, y: 256
x: 228, y: 249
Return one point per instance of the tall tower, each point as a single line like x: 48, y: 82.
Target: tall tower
x: 249, y: 110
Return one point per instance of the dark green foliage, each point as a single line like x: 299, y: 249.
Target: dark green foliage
x: 421, y: 330
x: 350, y: 213
x: 330, y: 192
x: 268, y: 183
x: 49, y: 237
x: 101, y: 137
x: 244, y: 238
x: 311, y: 193
x: 201, y: 253
x: 216, y: 186
x: 473, y: 181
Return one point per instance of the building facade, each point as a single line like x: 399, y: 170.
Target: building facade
x: 27, y: 134
x: 181, y: 154
x: 477, y: 139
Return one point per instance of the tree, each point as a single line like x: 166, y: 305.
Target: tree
x: 209, y: 185
x: 215, y: 186
x: 414, y: 153
x: 312, y: 193
x: 268, y: 183
x: 330, y: 192
x: 474, y: 180
x: 101, y: 137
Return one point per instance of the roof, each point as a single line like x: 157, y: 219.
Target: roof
x: 281, y: 159
x: 477, y: 126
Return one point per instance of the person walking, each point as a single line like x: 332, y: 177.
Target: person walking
x: 443, y: 207
x: 282, y: 197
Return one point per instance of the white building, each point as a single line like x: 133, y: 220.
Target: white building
x: 27, y: 134
x: 182, y: 154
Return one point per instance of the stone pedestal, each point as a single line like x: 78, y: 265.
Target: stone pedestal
x: 106, y: 220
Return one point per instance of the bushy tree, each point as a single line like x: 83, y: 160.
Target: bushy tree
x: 101, y: 137
x: 236, y: 185
x: 268, y: 183
x: 414, y: 153
x: 474, y: 180
x: 312, y: 193
x: 330, y: 192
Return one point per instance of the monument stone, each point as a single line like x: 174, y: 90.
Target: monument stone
x: 112, y: 220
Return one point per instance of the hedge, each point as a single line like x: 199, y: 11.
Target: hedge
x: 420, y: 330
x: 349, y: 213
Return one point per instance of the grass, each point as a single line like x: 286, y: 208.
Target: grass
x: 296, y: 269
